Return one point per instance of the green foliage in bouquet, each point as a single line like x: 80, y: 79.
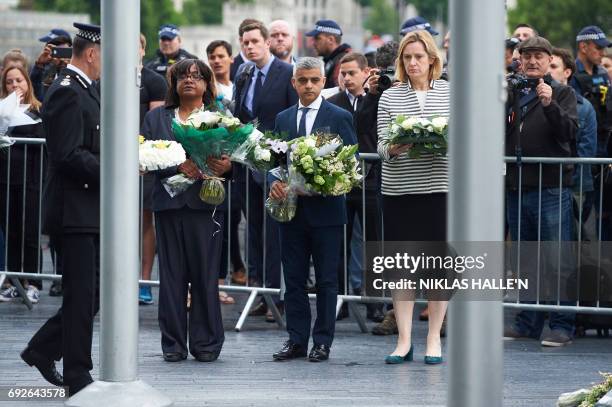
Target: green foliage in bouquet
x: 327, y: 166
x: 427, y: 136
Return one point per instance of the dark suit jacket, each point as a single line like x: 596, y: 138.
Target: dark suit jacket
x: 71, y: 119
x: 277, y: 88
x: 319, y: 211
x: 238, y: 61
x: 157, y: 125
x: 364, y: 121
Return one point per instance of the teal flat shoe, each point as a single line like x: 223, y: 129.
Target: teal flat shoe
x: 396, y: 359
x: 433, y: 360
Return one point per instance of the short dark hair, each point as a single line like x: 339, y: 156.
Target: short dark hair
x: 257, y: 25
x: 219, y: 43
x: 566, y: 57
x: 244, y: 23
x: 361, y: 60
x: 182, y: 68
x: 525, y: 25
x: 80, y: 45
x: 386, y: 54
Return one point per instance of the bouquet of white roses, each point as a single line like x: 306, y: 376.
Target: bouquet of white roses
x: 12, y: 114
x: 319, y: 165
x: 261, y: 151
x: 159, y: 154
x: 207, y: 134
x: 428, y: 136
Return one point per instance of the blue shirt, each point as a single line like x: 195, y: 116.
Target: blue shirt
x: 264, y: 70
x: 586, y: 143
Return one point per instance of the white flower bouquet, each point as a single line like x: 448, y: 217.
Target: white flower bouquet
x: 159, y: 154
x: 207, y: 134
x: 319, y: 165
x: 428, y: 136
x: 12, y: 114
x: 261, y: 151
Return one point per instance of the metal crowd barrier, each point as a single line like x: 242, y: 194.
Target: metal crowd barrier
x: 268, y: 292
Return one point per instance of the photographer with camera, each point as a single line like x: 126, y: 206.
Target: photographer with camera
x: 542, y: 122
x: 53, y: 58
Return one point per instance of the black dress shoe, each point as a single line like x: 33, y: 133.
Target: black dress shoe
x: 259, y: 310
x: 375, y: 312
x: 174, y: 356
x: 45, y: 366
x: 206, y: 356
x: 290, y: 350
x: 77, y: 386
x: 319, y: 353
x: 56, y: 289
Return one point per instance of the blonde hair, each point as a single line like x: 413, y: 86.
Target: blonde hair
x: 28, y: 98
x: 425, y: 38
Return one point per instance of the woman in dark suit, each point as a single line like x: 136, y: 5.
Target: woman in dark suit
x: 188, y: 245
x: 24, y: 184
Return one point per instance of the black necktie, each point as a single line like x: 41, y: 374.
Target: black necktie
x: 302, y: 126
x: 356, y: 102
x: 257, y: 92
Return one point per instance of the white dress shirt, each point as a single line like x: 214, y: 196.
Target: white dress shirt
x: 311, y: 115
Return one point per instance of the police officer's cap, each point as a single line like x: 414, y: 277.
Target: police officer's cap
x: 53, y: 34
x: 168, y: 32
x: 535, y: 44
x: 595, y: 34
x: 325, y: 27
x: 415, y: 24
x: 89, y: 32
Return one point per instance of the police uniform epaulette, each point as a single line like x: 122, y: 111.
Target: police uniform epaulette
x: 81, y: 81
x: 65, y: 81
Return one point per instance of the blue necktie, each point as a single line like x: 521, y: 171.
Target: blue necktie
x: 302, y: 126
x: 257, y: 92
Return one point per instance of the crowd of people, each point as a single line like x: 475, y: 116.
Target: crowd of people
x: 559, y: 105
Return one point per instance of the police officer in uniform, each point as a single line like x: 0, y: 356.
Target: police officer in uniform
x: 71, y: 118
x: 591, y: 81
x: 170, y: 51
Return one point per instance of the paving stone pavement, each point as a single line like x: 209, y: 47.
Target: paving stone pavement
x: 355, y: 375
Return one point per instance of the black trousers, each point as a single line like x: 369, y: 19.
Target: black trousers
x: 299, y: 243
x: 237, y: 187
x: 68, y: 334
x: 189, y: 248
x: 21, y: 232
x: 272, y: 263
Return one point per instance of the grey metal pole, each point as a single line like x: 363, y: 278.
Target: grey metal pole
x: 119, y: 254
x: 119, y: 222
x: 476, y: 214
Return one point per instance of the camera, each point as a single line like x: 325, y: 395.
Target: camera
x: 386, y: 79
x: 518, y: 81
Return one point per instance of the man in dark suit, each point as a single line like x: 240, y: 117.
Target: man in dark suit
x: 355, y: 72
x: 317, y: 228
x: 262, y: 89
x: 241, y: 57
x: 71, y: 117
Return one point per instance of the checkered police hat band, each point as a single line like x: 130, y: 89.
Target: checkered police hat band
x: 591, y: 37
x: 89, y: 36
x: 329, y: 30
